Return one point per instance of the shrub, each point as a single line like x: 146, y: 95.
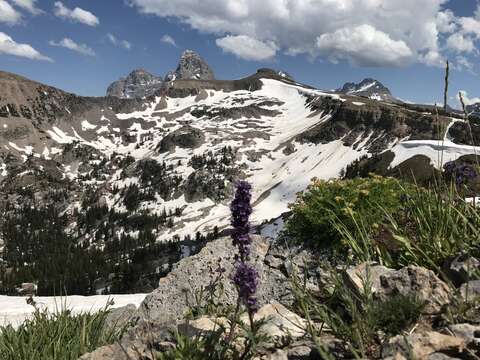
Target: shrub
x: 328, y: 202
x: 397, y: 313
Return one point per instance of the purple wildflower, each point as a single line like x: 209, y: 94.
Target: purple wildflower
x: 241, y: 210
x: 246, y: 280
x: 245, y: 277
x: 462, y: 174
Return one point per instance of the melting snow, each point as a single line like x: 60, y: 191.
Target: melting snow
x: 14, y: 309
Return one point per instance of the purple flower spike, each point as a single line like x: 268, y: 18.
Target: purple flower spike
x: 246, y: 280
x: 245, y: 277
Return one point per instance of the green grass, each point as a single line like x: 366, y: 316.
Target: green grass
x: 59, y: 336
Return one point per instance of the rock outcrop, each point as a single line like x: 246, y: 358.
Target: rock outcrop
x: 410, y: 280
x: 186, y: 137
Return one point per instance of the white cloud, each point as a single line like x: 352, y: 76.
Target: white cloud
x: 8, y: 14
x: 278, y: 21
x: 365, y: 46
x: 470, y: 25
x: 247, y: 48
x: 462, y: 63
x: 460, y: 43
x: 117, y: 42
x: 167, y: 39
x: 9, y: 47
x: 467, y: 100
x: 76, y: 15
x: 72, y: 45
x: 433, y: 58
x: 28, y: 5
x: 446, y: 21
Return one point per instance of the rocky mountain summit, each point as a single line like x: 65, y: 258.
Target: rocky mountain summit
x: 192, y: 66
x: 369, y: 88
x: 138, y: 84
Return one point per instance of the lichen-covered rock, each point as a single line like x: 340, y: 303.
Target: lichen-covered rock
x: 421, y: 346
x: 410, y: 280
x: 470, y: 333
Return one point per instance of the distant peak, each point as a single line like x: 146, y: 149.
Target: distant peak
x: 368, y: 87
x: 137, y: 84
x: 192, y: 66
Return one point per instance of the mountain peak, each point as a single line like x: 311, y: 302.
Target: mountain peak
x: 137, y: 84
x: 368, y: 87
x: 192, y: 66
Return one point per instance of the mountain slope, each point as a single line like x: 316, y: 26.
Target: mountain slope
x: 136, y: 172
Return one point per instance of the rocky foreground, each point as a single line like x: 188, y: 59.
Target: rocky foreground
x: 164, y: 310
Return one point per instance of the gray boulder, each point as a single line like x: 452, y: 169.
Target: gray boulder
x: 470, y: 289
x: 422, y: 345
x: 410, y: 280
x: 175, y: 293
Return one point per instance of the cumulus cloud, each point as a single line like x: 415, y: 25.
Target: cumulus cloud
x: 277, y: 22
x: 446, y: 21
x: 460, y: 43
x: 365, y: 46
x: 117, y: 42
x: 29, y: 5
x: 248, y: 48
x: 10, y: 47
x: 8, y: 14
x: 76, y: 15
x: 470, y: 25
x: 72, y: 45
x: 167, y: 39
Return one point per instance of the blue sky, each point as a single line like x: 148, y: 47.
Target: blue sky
x: 83, y: 45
